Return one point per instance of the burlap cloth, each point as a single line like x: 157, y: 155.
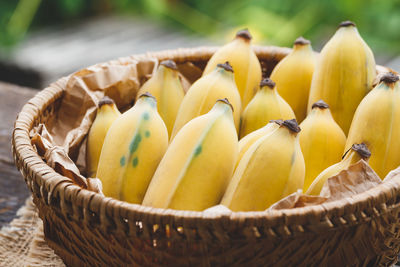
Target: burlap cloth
x: 22, y: 241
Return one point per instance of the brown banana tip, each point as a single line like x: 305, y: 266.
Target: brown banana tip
x: 245, y: 34
x: 279, y: 122
x: 169, y: 64
x: 320, y: 104
x: 292, y: 125
x: 302, y: 41
x: 147, y: 94
x: 226, y: 66
x: 347, y: 23
x: 389, y: 77
x: 362, y: 150
x: 267, y: 82
x: 226, y: 101
x: 105, y: 101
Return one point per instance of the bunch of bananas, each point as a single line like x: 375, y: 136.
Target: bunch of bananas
x: 233, y: 138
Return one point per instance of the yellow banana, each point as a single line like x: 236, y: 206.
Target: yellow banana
x: 322, y: 141
x: 246, y: 142
x: 198, y: 164
x: 271, y: 169
x: 352, y: 156
x: 344, y: 74
x: 166, y: 87
x: 133, y: 147
x: 107, y: 113
x: 377, y: 123
x: 244, y: 62
x: 293, y: 76
x: 266, y: 105
x: 204, y: 92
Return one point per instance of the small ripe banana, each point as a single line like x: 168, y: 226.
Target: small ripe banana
x: 377, y: 123
x: 198, y: 164
x: 322, y: 141
x: 107, y: 113
x: 246, y: 142
x: 204, y: 92
x: 344, y: 74
x: 244, y: 62
x: 352, y: 156
x: 271, y: 169
x: 293, y: 75
x: 133, y: 147
x: 166, y: 87
x: 266, y: 105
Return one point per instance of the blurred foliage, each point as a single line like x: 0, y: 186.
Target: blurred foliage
x: 276, y: 22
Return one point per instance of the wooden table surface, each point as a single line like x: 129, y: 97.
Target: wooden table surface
x: 13, y: 190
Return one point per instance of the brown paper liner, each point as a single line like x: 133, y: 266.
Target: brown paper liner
x: 357, y: 178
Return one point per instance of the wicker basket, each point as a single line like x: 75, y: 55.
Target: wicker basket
x: 85, y: 228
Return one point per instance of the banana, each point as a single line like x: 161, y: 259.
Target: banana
x: 107, y: 113
x: 246, y: 142
x: 272, y: 168
x: 344, y: 74
x: 293, y: 75
x: 244, y: 61
x: 204, y: 92
x: 322, y: 141
x: 166, y: 87
x: 133, y: 147
x: 377, y: 123
x: 198, y: 164
x: 266, y: 105
x: 352, y: 156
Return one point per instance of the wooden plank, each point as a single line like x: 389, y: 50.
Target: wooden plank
x: 57, y: 51
x: 13, y: 190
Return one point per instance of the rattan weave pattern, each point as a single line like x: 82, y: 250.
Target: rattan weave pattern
x: 85, y: 228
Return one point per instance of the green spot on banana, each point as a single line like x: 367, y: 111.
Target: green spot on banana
x: 293, y: 158
x: 197, y: 151
x: 135, y: 162
x: 122, y: 161
x: 147, y: 134
x: 146, y: 116
x: 135, y: 143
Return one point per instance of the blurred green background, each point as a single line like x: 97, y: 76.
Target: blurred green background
x: 276, y: 22
x: 42, y: 40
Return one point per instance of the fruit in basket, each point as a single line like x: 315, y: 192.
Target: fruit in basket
x: 133, y: 147
x: 293, y: 75
x: 246, y: 142
x: 107, y: 113
x: 343, y: 74
x: 377, y: 123
x: 266, y: 105
x: 198, y: 164
x: 166, y: 87
x: 271, y: 169
x: 204, y: 92
x: 322, y: 141
x: 352, y: 156
x: 244, y: 62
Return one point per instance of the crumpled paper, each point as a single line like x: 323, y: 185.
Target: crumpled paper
x: 357, y: 178
x: 297, y: 200
x: 57, y: 158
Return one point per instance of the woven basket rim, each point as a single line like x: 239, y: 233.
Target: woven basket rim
x: 381, y: 195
